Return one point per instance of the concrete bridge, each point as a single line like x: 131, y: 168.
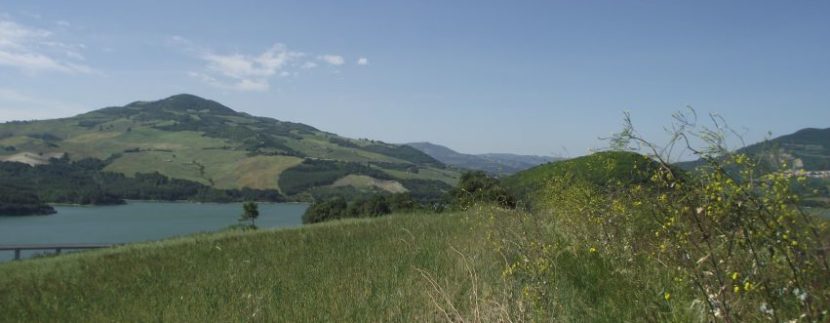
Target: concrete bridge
x: 58, y: 247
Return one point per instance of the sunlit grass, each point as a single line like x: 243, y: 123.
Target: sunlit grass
x: 358, y: 270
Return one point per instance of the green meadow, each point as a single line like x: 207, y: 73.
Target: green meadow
x: 400, y: 268
x: 357, y: 270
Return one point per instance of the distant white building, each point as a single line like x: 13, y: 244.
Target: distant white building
x: 818, y: 174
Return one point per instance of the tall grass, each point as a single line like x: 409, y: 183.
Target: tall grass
x: 414, y: 267
x: 357, y: 270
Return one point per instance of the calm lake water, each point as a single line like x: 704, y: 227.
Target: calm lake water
x: 136, y: 221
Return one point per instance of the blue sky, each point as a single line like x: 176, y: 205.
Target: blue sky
x: 547, y: 77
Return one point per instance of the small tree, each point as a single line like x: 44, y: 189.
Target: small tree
x: 250, y: 211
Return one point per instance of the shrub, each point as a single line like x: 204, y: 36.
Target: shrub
x: 727, y: 235
x: 477, y: 187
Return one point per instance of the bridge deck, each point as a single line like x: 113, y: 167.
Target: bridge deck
x: 52, y: 246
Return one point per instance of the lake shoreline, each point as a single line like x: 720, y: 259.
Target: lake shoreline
x: 138, y: 221
x: 169, y: 201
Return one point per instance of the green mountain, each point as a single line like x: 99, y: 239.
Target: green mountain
x: 493, y: 164
x: 190, y: 138
x: 600, y: 168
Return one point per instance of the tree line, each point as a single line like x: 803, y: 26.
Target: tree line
x: 85, y: 182
x: 473, y: 187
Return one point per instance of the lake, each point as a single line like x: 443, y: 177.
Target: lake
x: 136, y: 221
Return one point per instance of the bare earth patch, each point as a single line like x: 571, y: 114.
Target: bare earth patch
x: 363, y: 181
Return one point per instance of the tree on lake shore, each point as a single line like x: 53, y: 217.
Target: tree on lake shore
x: 250, y: 211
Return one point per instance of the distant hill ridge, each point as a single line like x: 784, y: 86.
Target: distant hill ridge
x: 494, y: 163
x: 601, y: 168
x: 807, y: 149
x: 188, y: 137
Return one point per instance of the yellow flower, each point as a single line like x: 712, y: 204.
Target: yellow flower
x: 747, y: 286
x: 737, y: 289
x: 667, y: 296
x: 735, y: 275
x: 592, y: 250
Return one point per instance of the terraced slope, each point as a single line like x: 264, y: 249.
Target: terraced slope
x: 188, y: 137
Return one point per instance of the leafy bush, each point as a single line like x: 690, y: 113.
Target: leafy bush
x: 477, y: 187
x: 324, y: 211
x: 372, y: 206
x: 726, y: 240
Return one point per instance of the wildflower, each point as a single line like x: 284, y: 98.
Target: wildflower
x: 766, y: 309
x: 735, y: 275
x: 592, y: 250
x: 800, y: 294
x: 667, y: 296
x: 736, y: 289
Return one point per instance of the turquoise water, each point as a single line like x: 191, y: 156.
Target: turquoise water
x: 136, y: 221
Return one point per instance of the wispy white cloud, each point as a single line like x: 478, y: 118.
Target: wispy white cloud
x: 363, y: 61
x: 335, y: 60
x: 246, y: 72
x: 34, y: 50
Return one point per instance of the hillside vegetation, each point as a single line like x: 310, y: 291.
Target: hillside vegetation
x: 84, y: 182
x: 602, y: 168
x: 199, y: 140
x: 612, y: 237
x: 594, y: 250
x: 16, y: 200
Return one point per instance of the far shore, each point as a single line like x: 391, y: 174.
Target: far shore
x: 166, y: 201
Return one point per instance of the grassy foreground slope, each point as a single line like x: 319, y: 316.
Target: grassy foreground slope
x: 359, y: 271
x: 405, y: 268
